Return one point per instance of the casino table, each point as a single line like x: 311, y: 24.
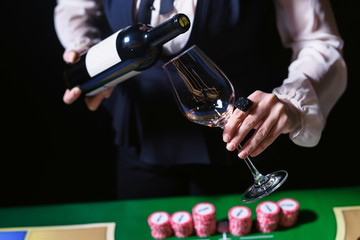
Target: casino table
x: 316, y: 218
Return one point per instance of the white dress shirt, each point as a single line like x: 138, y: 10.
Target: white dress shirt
x: 317, y: 74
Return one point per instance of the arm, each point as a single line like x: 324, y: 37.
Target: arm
x: 76, y: 28
x: 316, y: 80
x: 317, y: 75
x: 75, y: 23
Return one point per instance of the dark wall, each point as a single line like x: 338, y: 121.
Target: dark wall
x: 57, y: 153
x: 52, y: 152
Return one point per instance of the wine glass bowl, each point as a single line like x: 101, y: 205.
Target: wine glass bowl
x: 206, y: 96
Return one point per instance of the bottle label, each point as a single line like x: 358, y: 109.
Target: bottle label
x: 102, y: 55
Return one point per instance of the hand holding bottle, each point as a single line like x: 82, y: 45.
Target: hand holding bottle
x: 117, y: 58
x: 71, y: 95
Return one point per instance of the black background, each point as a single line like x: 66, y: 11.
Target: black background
x: 54, y: 153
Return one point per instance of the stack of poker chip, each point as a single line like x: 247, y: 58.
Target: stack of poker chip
x: 289, y: 212
x: 160, y: 226
x: 239, y: 220
x: 267, y: 216
x: 204, y: 219
x: 182, y: 224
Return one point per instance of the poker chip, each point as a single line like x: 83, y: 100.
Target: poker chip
x: 289, y: 211
x: 160, y: 226
x: 267, y: 216
x: 182, y: 224
x: 239, y: 220
x: 204, y: 219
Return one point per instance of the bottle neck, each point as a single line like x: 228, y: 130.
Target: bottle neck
x: 168, y: 30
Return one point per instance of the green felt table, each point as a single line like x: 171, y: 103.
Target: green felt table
x: 316, y: 219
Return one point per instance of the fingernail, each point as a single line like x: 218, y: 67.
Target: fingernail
x: 226, y: 138
x: 242, y: 154
x: 72, y: 57
x: 77, y: 91
x: 230, y: 146
x: 66, y: 97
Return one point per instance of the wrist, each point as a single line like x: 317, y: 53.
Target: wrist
x: 294, y: 115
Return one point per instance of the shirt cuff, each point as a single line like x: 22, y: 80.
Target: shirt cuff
x: 298, y: 91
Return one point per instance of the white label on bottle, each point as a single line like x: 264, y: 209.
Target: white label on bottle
x: 102, y: 55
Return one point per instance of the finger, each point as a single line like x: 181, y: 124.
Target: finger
x: 71, y: 56
x: 107, y: 93
x: 279, y: 128
x: 71, y: 95
x: 242, y: 110
x: 271, y: 137
x: 94, y: 102
x: 274, y: 125
x: 233, y: 124
x: 250, y: 119
x: 250, y: 122
x: 261, y: 134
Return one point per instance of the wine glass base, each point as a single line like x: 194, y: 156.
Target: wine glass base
x: 271, y: 182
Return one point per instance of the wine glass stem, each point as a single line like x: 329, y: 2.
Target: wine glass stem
x: 258, y: 177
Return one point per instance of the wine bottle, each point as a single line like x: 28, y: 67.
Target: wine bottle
x: 122, y: 55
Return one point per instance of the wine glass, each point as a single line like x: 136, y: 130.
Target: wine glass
x: 206, y: 96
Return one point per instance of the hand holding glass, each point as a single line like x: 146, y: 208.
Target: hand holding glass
x: 206, y: 96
